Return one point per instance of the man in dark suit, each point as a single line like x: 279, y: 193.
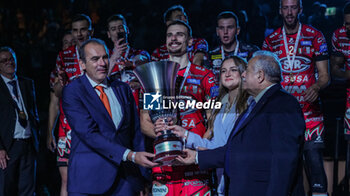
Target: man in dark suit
x: 262, y: 154
x: 105, y: 130
x: 19, y: 125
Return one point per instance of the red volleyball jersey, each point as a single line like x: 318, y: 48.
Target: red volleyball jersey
x: 297, y: 78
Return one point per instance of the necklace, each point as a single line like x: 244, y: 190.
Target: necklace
x: 292, y: 51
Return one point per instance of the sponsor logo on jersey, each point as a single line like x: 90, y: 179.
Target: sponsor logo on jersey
x: 310, y: 30
x: 243, y: 54
x: 71, y: 70
x: 334, y: 38
x: 300, y: 64
x: 200, y: 68
x: 193, y: 81
x: 159, y: 190
x: 323, y: 48
x: 217, y: 62
x: 295, y: 89
x: 279, y: 52
x: 214, y: 91
x: 217, y: 56
x: 306, y: 43
x: 277, y: 40
x: 202, y: 47
x: 344, y: 44
x: 211, y: 80
x: 276, y: 46
x: 67, y: 52
x: 273, y: 34
x: 342, y: 30
x: 264, y: 45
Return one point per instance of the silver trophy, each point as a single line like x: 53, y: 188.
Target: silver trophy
x: 158, y: 78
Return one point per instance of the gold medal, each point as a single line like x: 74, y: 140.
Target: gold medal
x: 291, y: 77
x: 22, y: 115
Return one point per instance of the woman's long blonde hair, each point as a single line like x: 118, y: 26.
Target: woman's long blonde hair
x: 241, y: 99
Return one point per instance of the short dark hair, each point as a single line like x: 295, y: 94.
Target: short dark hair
x: 169, y: 11
x: 180, y: 22
x: 10, y: 50
x: 300, y: 3
x: 226, y: 15
x: 270, y: 64
x: 116, y: 17
x: 346, y: 8
x: 82, y: 17
x: 82, y: 54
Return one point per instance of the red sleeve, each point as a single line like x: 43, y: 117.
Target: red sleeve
x: 210, y: 87
x: 201, y: 45
x: 266, y: 45
x: 336, y: 49
x: 155, y: 55
x: 320, y: 46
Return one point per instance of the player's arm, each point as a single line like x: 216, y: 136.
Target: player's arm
x: 201, y: 49
x: 312, y: 92
x: 198, y: 58
x: 321, y: 62
x: 336, y: 63
x: 337, y: 59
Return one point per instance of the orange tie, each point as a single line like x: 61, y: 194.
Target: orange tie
x: 104, y: 99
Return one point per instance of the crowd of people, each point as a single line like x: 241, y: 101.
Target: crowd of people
x: 269, y: 128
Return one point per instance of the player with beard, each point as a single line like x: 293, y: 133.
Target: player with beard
x: 124, y: 58
x: 68, y: 67
x: 197, y: 51
x: 304, y: 57
x: 227, y: 30
x: 197, y: 83
x: 340, y: 60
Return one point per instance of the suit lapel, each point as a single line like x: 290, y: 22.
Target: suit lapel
x: 5, y: 91
x: 257, y: 107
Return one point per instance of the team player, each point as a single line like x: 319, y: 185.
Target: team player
x: 197, y: 51
x: 340, y: 60
x: 304, y: 57
x: 198, y: 84
x: 67, y: 41
x: 69, y: 69
x: 123, y: 57
x: 227, y: 30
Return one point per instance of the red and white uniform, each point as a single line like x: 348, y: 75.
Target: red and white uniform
x: 199, y: 84
x: 67, y: 61
x: 128, y: 75
x: 199, y: 45
x: 341, y: 48
x: 311, y: 47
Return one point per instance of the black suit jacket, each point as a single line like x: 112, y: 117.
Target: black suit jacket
x: 8, y: 112
x: 263, y: 155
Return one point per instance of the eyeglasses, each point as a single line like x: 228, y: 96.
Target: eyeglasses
x: 3, y: 61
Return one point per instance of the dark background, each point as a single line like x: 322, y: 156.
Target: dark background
x: 34, y: 30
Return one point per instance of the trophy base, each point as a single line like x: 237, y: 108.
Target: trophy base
x: 167, y: 158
